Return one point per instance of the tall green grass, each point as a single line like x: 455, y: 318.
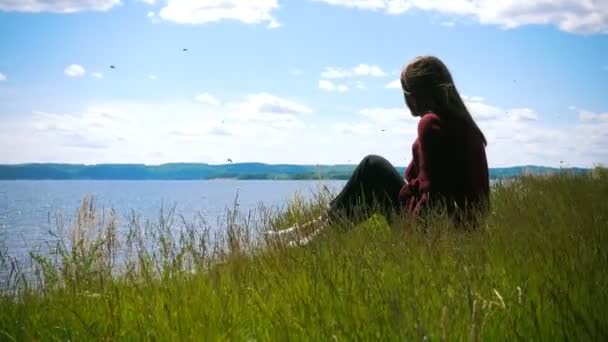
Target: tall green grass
x: 536, y: 269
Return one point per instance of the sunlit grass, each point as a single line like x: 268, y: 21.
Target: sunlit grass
x: 534, y: 270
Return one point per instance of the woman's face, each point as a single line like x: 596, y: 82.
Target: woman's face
x: 410, y: 101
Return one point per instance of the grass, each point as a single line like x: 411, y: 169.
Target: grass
x: 536, y: 269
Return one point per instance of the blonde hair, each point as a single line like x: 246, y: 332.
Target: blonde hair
x: 428, y: 79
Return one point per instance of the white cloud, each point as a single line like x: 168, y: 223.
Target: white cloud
x: 395, y: 84
x: 258, y: 116
x: 268, y: 128
x: 368, y: 70
x: 3, y: 77
x: 574, y: 16
x: 62, y: 6
x: 258, y: 127
x: 152, y: 77
x: 481, y: 111
x: 151, y: 14
x: 396, y: 119
x: 97, y: 75
x: 210, y: 11
x: 360, y: 70
x: 589, y: 116
x: 387, y: 131
x: 207, y: 98
x: 332, y: 73
x: 523, y: 114
x: 329, y: 86
x: 515, y: 136
x: 373, y: 5
x: 149, y: 2
x: 267, y: 103
x: 74, y: 70
x: 360, y: 85
x: 448, y: 23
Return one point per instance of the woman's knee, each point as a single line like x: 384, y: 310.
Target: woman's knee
x: 373, y: 160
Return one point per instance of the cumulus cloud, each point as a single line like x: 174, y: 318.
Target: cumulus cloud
x: 62, y: 6
x: 574, y: 16
x: 482, y: 111
x: 395, y: 84
x: 268, y: 103
x: 74, y: 70
x: 262, y: 116
x: 360, y: 70
x: 515, y: 136
x: 330, y: 86
x: 268, y: 128
x: 3, y: 77
x: 387, y: 131
x: 207, y: 98
x: 380, y: 121
x: 210, y: 11
x: 589, y: 116
x: 360, y: 85
x: 330, y: 74
x: 257, y: 127
x: 89, y: 130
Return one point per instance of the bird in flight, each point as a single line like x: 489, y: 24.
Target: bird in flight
x: 112, y: 67
x: 383, y: 130
x: 185, y: 50
x: 229, y: 160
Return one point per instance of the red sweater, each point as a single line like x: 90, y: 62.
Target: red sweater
x: 448, y: 166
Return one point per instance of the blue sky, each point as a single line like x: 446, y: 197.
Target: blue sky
x: 307, y: 81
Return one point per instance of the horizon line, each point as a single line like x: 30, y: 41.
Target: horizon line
x: 566, y: 166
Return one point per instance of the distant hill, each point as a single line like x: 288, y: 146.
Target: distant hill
x: 191, y: 171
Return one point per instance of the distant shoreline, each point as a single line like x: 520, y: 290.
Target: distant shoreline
x: 238, y: 171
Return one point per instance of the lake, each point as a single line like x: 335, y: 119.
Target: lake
x: 28, y: 207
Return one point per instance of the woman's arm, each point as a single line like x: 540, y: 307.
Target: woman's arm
x: 431, y: 158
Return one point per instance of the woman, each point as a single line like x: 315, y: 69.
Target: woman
x: 448, y: 169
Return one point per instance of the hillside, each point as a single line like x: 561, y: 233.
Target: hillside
x: 533, y: 270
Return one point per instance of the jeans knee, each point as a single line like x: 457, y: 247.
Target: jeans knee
x: 374, y: 160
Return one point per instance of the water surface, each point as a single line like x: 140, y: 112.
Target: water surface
x: 28, y: 208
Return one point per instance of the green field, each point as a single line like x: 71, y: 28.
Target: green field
x: 536, y: 269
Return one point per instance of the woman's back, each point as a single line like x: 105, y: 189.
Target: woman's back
x: 449, y: 163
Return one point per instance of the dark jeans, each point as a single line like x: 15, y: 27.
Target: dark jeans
x: 373, y: 187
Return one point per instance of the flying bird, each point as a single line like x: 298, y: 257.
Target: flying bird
x: 229, y: 160
x: 383, y: 130
x: 185, y: 50
x: 112, y: 67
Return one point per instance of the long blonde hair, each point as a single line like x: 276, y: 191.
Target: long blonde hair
x: 430, y: 82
